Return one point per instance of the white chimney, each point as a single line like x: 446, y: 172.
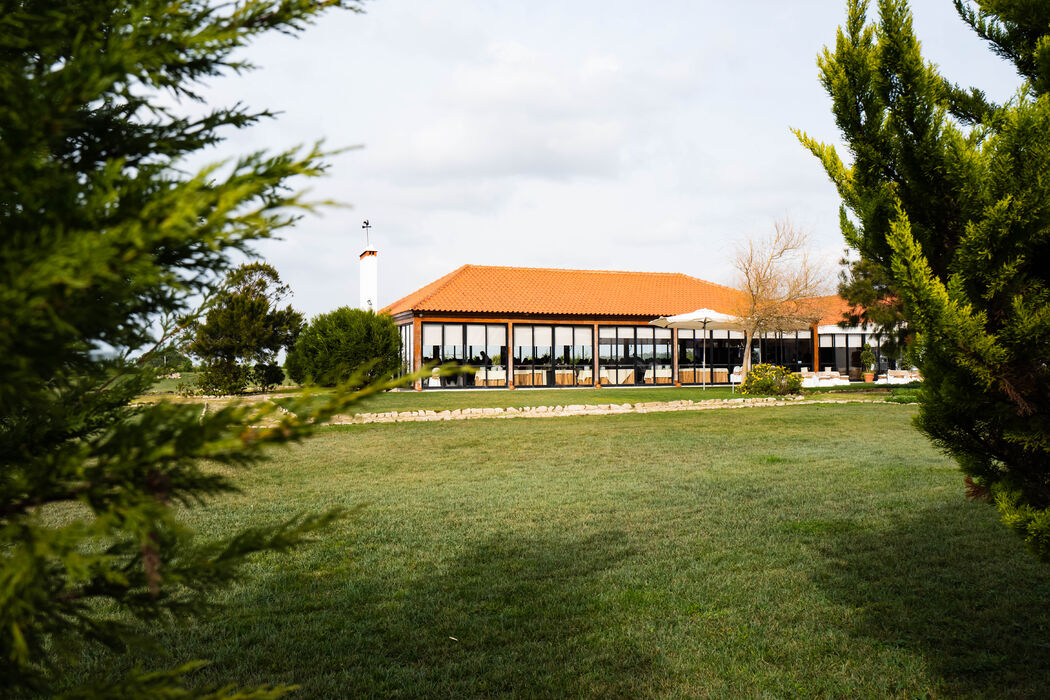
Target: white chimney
x: 370, y: 279
x: 369, y: 273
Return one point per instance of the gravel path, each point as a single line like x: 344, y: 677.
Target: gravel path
x: 581, y: 410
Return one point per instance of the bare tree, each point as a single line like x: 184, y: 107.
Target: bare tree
x: 779, y: 284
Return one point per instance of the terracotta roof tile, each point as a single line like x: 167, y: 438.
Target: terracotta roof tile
x: 487, y: 289
x: 834, y: 309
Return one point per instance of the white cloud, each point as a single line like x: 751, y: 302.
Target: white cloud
x: 592, y: 134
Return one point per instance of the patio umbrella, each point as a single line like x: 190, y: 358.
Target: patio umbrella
x: 705, y: 320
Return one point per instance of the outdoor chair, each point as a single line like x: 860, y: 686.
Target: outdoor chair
x: 736, y: 377
x: 810, y: 379
x: 434, y: 380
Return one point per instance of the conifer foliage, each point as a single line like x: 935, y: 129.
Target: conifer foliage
x: 244, y: 330
x: 947, y: 197
x: 105, y: 235
x: 343, y: 343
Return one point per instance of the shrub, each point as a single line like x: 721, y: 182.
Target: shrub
x: 267, y: 376
x: 337, y: 344
x: 770, y: 379
x: 187, y: 388
x: 904, y: 394
x: 867, y: 358
x: 223, y: 378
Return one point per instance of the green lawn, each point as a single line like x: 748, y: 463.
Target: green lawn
x: 501, y: 398
x: 802, y: 551
x: 167, y: 385
x: 442, y: 400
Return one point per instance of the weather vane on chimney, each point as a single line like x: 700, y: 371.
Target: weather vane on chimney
x: 366, y: 226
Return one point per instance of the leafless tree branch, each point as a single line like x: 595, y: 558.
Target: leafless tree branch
x: 780, y: 284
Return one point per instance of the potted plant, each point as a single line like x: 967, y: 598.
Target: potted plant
x: 867, y: 361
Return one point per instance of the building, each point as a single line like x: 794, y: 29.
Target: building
x: 527, y: 327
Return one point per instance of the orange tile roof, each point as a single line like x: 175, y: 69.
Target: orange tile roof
x: 833, y: 309
x: 528, y: 290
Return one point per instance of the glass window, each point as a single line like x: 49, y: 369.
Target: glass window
x: 688, y: 353
x: 583, y: 336
x: 607, y: 355
x: 476, y: 354
x: 841, y: 353
x: 431, y: 334
x: 491, y: 357
x: 804, y: 348
x: 523, y: 336
x: 453, y: 334
x: 452, y: 352
x: 541, y: 336
x: 497, y: 335
x: 662, y: 361
x: 562, y: 335
x: 475, y: 334
x: 563, y: 374
x: 406, y: 347
x: 431, y: 349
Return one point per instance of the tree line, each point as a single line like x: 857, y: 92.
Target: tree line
x: 245, y: 327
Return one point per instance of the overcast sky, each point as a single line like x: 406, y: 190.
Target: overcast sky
x: 583, y: 134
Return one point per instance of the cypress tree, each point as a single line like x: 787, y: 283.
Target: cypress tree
x: 244, y: 329
x: 107, y: 237
x: 946, y: 197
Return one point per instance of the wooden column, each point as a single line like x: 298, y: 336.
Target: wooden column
x: 417, y: 349
x: 674, y: 357
x: 594, y: 357
x: 816, y: 349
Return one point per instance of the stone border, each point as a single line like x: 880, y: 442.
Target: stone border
x: 580, y: 410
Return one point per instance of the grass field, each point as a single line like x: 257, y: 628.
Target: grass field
x: 803, y: 551
x: 501, y: 398
x: 519, y: 398
x: 166, y: 385
x: 450, y: 400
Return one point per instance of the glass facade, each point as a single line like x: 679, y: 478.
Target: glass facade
x: 793, y: 350
x: 480, y: 345
x: 406, y: 348
x: 553, y: 355
x: 840, y: 352
x: 714, y: 360
x: 631, y: 355
x: 710, y: 360
x: 547, y: 355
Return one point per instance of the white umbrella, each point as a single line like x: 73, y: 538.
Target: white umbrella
x: 701, y: 319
